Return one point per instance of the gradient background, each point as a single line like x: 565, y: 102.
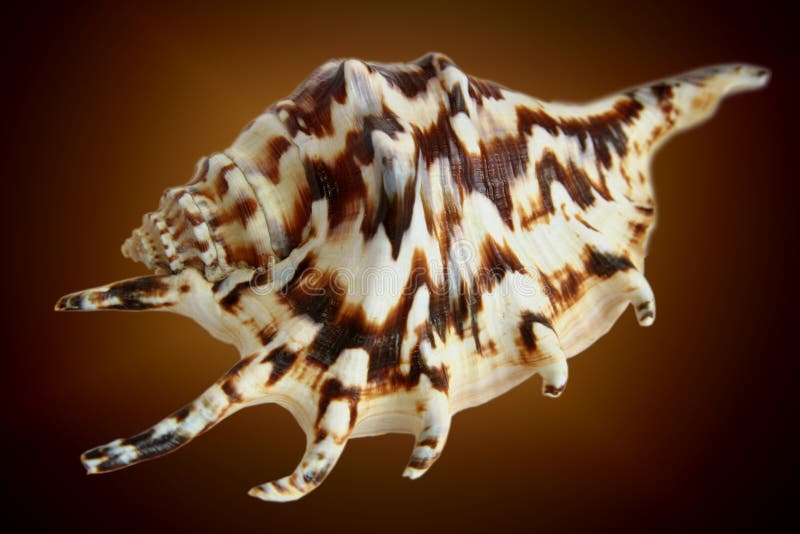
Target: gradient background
x: 685, y: 424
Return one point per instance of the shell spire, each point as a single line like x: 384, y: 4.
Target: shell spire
x: 244, y: 207
x: 432, y: 240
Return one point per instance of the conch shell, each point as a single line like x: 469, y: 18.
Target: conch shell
x: 395, y: 243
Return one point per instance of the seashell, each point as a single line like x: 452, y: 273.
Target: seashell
x: 395, y: 243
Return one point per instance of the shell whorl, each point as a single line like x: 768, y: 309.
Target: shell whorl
x: 250, y: 205
x: 245, y: 207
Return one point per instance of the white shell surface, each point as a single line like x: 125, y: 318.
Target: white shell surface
x: 395, y: 243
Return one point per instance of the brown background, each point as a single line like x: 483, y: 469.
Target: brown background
x: 680, y: 425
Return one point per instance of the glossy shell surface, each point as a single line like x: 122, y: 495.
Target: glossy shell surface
x: 395, y: 243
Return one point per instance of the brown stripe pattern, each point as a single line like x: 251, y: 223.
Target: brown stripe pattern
x: 394, y: 243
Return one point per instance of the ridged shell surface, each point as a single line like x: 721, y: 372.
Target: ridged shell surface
x: 394, y: 243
